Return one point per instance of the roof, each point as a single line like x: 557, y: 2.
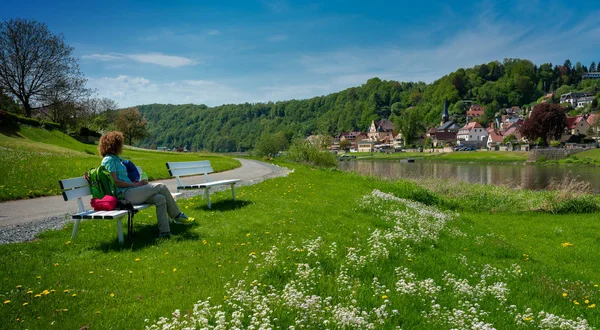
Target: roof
x: 432, y: 130
x: 445, y: 136
x: 495, y: 136
x: 448, y: 125
x: 514, y: 131
x: 472, y: 125
x: 592, y: 119
x: 384, y: 125
x: 573, y: 121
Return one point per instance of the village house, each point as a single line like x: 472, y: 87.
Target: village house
x: 494, y: 138
x: 380, y: 129
x: 475, y: 111
x: 366, y: 145
x: 398, y: 141
x: 472, y: 134
x: 576, y: 100
x: 577, y: 125
x: 446, y: 132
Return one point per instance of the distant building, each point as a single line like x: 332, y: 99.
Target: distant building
x: 446, y: 132
x: 381, y: 129
x: 366, y: 146
x: 475, y: 111
x: 591, y: 75
x: 573, y: 98
x: 472, y: 134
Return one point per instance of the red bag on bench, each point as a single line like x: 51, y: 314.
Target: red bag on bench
x: 106, y: 203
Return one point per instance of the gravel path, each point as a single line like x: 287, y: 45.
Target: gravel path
x: 22, y: 220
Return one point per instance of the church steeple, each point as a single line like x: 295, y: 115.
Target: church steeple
x: 445, y: 115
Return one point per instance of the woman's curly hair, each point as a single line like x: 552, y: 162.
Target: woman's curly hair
x: 111, y: 143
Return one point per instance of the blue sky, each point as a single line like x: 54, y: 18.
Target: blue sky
x: 219, y: 52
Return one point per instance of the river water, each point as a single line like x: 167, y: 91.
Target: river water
x: 527, y: 176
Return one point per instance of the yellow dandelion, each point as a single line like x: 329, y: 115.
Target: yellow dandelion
x: 219, y: 266
x: 248, y: 235
x: 97, y: 312
x: 45, y: 292
x: 65, y: 310
x: 91, y: 272
x: 30, y: 292
x: 52, y: 290
x: 66, y: 291
x: 112, y: 294
x: 566, y: 244
x: 218, y: 244
x: 384, y: 297
x: 587, y: 301
x: 19, y: 286
x: 25, y: 303
x: 576, y: 302
x: 37, y: 295
x: 592, y: 306
x: 74, y: 295
x: 267, y: 233
x: 203, y: 242
x: 252, y: 253
x: 131, y: 272
x: 174, y: 269
x: 68, y: 242
x: 564, y: 294
x: 56, y: 265
x: 167, y: 252
x: 527, y: 319
x: 38, y: 277
x: 137, y: 259
x: 7, y: 301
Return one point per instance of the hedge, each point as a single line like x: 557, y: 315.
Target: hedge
x: 7, y: 119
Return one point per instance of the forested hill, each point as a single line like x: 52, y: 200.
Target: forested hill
x: 236, y: 127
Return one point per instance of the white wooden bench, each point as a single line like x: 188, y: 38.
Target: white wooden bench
x: 76, y: 188
x: 179, y: 169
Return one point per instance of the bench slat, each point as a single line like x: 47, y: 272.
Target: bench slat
x: 77, y: 192
x: 209, y: 184
x: 181, y: 165
x: 73, y: 183
x: 191, y: 171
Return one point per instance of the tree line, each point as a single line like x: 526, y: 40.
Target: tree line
x: 412, y: 106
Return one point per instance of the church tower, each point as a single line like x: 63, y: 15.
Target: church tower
x: 445, y: 115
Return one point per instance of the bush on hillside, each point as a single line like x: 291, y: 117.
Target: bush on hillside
x: 304, y: 152
x: 11, y: 119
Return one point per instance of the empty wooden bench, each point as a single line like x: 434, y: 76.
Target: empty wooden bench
x: 180, y: 169
x: 76, y: 188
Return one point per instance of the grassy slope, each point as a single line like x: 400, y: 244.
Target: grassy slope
x: 151, y: 278
x: 33, y: 160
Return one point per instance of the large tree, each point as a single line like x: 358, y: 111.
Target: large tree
x: 547, y: 121
x: 132, y: 124
x: 37, y: 67
x: 411, y: 125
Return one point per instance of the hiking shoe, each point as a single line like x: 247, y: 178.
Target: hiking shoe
x: 164, y: 235
x: 183, y: 219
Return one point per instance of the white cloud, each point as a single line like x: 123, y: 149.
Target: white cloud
x: 130, y: 91
x: 277, y: 38
x: 151, y: 58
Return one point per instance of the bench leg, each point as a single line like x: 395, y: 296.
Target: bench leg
x: 207, y: 196
x: 233, y: 191
x: 120, y: 231
x: 75, y: 227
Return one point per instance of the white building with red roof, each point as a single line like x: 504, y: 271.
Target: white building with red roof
x: 472, y: 134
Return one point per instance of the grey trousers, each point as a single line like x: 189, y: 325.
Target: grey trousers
x: 159, y: 195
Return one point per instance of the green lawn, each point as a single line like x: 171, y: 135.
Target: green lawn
x: 32, y: 160
x: 319, y: 249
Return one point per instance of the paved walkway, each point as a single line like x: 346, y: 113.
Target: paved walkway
x: 25, y: 211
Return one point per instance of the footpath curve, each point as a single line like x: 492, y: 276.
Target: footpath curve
x: 21, y: 220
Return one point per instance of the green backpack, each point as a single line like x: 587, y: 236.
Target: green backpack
x: 101, y: 182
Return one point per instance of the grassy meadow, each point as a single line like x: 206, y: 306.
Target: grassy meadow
x: 32, y: 160
x: 321, y: 249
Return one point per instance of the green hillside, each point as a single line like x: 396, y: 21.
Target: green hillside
x: 232, y: 127
x: 32, y: 160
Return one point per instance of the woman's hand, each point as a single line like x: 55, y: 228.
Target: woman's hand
x: 140, y: 183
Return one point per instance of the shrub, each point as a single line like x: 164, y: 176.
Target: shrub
x: 11, y: 119
x: 580, y: 204
x: 305, y: 152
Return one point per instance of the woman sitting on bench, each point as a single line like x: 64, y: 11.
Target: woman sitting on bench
x: 110, y: 147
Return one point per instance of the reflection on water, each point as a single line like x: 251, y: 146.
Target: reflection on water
x: 526, y: 176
